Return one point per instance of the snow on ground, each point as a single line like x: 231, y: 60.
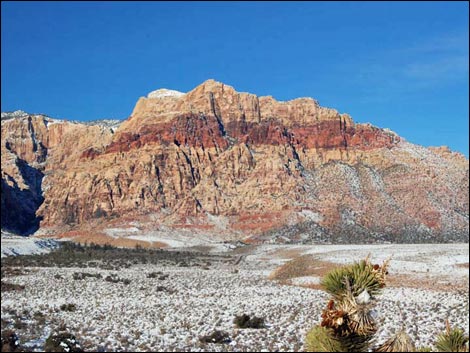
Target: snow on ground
x: 120, y: 232
x: 16, y: 245
x: 152, y: 314
x: 306, y: 280
x: 172, y: 238
x: 429, y: 259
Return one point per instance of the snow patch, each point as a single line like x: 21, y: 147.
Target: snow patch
x: 120, y: 232
x: 113, y: 124
x: 306, y: 280
x: 312, y: 216
x: 220, y: 222
x: 163, y: 92
x: 13, y: 245
x: 12, y: 115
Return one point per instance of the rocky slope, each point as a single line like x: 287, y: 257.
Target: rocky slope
x: 217, y: 162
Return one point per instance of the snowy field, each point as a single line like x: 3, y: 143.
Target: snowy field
x: 16, y: 245
x: 191, y: 298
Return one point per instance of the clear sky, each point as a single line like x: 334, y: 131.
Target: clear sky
x: 398, y: 65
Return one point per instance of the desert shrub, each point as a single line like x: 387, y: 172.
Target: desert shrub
x: 39, y: 317
x: 10, y: 341
x: 7, y: 286
x: 165, y: 289
x: 112, y: 279
x: 12, y: 271
x: 116, y: 279
x: 71, y: 254
x: 154, y: 274
x: 245, y: 321
x: 452, y: 340
x: 220, y: 337
x: 68, y: 307
x: 83, y: 275
x: 19, y: 324
x: 5, y: 323
x: 62, y: 342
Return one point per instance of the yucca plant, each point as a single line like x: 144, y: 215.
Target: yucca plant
x: 452, y: 340
x: 360, y: 276
x: 400, y: 342
x: 321, y: 339
x: 347, y: 324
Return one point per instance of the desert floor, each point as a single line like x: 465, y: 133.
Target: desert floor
x: 165, y: 300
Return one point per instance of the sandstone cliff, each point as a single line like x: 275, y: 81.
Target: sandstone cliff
x: 233, y: 165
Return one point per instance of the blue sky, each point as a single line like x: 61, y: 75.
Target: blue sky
x: 398, y: 65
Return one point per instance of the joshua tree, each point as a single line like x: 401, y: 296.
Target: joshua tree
x: 347, y: 321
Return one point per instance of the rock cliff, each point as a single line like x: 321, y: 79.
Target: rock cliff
x: 218, y: 162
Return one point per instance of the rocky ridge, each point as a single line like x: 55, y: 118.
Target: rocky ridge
x: 232, y: 165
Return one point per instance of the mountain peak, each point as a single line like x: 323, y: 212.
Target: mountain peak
x: 229, y: 106
x: 164, y: 92
x: 266, y: 169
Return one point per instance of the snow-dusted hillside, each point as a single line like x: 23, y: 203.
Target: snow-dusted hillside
x: 12, y: 115
x: 111, y: 123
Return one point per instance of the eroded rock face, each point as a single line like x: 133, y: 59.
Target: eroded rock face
x: 242, y: 166
x: 35, y: 146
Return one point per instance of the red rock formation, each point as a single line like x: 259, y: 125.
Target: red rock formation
x: 253, y: 165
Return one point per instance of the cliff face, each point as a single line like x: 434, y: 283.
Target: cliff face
x: 235, y: 164
x: 34, y: 147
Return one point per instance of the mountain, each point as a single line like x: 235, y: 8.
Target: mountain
x: 217, y: 163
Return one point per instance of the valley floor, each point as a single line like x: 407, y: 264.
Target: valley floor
x: 172, y: 298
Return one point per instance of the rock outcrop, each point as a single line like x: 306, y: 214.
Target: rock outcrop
x: 240, y: 166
